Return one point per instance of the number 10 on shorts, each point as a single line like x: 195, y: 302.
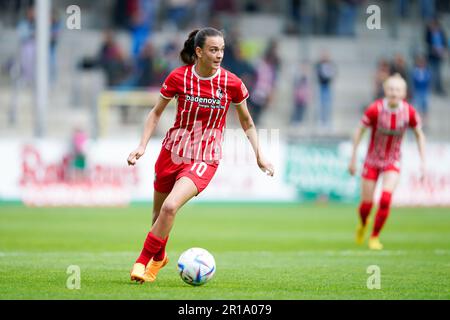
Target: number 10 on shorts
x: 199, y: 168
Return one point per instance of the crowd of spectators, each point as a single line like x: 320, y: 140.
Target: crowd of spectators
x: 144, y: 64
x: 423, y: 74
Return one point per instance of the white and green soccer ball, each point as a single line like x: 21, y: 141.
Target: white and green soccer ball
x: 196, y: 266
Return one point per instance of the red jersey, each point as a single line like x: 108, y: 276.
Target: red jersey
x: 202, y: 105
x: 388, y: 128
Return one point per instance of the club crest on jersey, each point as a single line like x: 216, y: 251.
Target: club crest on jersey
x: 219, y: 93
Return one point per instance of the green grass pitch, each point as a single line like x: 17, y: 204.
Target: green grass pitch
x: 264, y: 251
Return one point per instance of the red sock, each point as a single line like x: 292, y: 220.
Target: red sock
x: 382, y: 213
x: 162, y: 252
x: 152, y: 245
x: 364, y: 211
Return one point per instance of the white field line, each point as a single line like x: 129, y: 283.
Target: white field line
x: 351, y: 253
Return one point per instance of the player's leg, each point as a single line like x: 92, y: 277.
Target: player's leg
x: 160, y: 259
x: 390, y: 181
x: 165, y: 177
x: 164, y: 182
x: 368, y: 191
x: 368, y: 184
x: 139, y: 269
x: 158, y: 200
x: 183, y: 190
x: 191, y: 180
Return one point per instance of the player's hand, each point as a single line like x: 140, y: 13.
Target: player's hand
x: 135, y: 155
x: 266, y: 166
x: 352, y: 167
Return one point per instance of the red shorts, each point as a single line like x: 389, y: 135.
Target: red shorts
x: 372, y: 173
x: 169, y: 169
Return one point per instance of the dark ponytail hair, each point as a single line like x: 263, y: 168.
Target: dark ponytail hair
x: 196, y: 39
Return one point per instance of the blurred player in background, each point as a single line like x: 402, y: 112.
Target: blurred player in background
x: 191, y: 149
x: 388, y: 119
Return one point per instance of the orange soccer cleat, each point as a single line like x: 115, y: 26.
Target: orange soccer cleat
x: 153, y: 268
x: 375, y: 244
x: 138, y: 273
x: 360, y: 232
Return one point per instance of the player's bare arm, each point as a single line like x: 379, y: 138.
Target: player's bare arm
x: 150, y: 124
x: 420, y: 138
x: 359, y: 133
x: 249, y: 128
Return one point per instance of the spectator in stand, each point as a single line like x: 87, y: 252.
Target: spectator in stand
x: 140, y: 32
x: 202, y: 9
x: 149, y: 10
x: 22, y: 65
x: 26, y: 30
x: 169, y: 60
x: 151, y: 68
x: 398, y: 65
x: 266, y: 74
x: 234, y: 60
x: 302, y: 93
x: 348, y: 13
x: 142, y: 17
x: 437, y: 47
x: 326, y: 72
x: 381, y: 75
x: 27, y: 35
x: 178, y: 12
x: 113, y: 61
x: 421, y: 79
x: 145, y: 66
x: 243, y: 68
x: 230, y: 59
x: 54, y: 35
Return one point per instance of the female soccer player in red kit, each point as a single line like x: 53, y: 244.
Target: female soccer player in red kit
x: 191, y: 149
x: 388, y: 119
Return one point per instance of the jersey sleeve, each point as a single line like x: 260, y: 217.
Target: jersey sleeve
x: 240, y: 92
x: 414, y: 118
x: 169, y: 86
x: 370, y: 116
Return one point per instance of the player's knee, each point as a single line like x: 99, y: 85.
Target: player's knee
x: 367, y: 198
x: 385, y: 200
x: 169, y: 208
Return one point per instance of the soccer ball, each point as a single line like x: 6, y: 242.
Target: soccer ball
x: 196, y: 266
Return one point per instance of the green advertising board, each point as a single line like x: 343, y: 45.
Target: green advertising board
x: 319, y: 172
